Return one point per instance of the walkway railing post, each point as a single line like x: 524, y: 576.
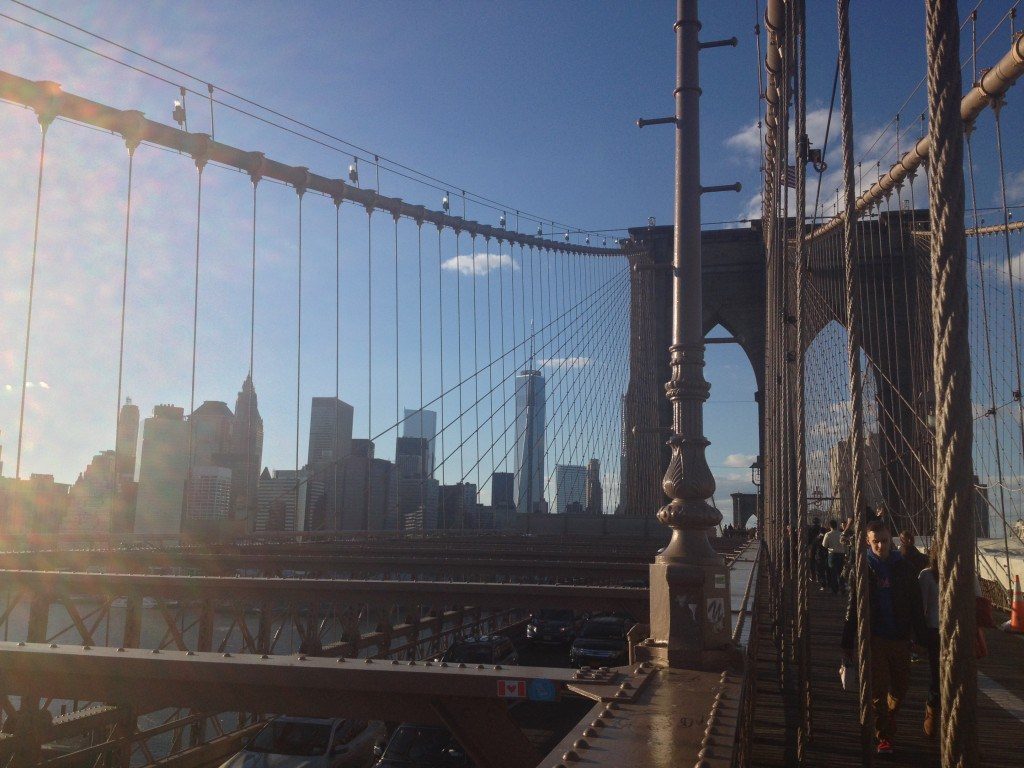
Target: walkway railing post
x: 690, y: 611
x: 954, y: 482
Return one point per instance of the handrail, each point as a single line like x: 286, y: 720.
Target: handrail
x: 741, y: 619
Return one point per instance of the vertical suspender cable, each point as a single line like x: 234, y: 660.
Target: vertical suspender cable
x: 300, y: 191
x: 44, y: 124
x: 200, y: 160
x: 132, y: 143
x: 803, y: 572
x: 335, y: 521
x: 426, y: 467
x: 853, y: 346
x: 251, y: 502
x: 398, y: 418
x: 369, y: 362
x: 954, y: 483
x: 440, y: 343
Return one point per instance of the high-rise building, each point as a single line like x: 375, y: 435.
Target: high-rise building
x: 210, y: 427
x: 595, y: 493
x: 458, y: 502
x: 163, y: 470
x: 372, y: 507
x: 35, y: 505
x: 503, y: 490
x: 92, y: 498
x: 287, y: 500
x: 209, y: 493
x: 330, y: 430
x: 570, y: 487
x: 422, y: 423
x: 530, y: 407
x: 246, y: 454
x: 126, y: 447
x: 412, y: 457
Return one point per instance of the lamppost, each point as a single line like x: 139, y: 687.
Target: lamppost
x: 689, y: 594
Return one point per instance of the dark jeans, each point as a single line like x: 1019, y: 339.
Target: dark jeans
x: 835, y: 571
x: 933, y: 667
x: 821, y: 566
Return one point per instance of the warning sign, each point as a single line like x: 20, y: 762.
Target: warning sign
x: 512, y: 689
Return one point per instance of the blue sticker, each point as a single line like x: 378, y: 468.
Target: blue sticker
x: 542, y: 690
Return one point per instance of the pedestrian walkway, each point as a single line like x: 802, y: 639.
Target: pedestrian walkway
x: 835, y: 732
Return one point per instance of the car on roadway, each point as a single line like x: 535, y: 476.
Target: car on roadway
x: 602, y: 642
x: 304, y: 742
x: 423, y: 746
x: 553, y: 625
x: 486, y: 649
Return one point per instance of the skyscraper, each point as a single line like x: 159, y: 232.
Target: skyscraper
x: 503, y: 490
x: 286, y: 500
x: 163, y: 468
x: 422, y: 423
x: 570, y: 486
x: 529, y: 484
x: 246, y: 454
x: 208, y: 493
x: 330, y: 430
x: 127, y: 444
x: 595, y: 493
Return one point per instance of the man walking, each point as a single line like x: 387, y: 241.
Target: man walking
x: 897, y: 618
x: 836, y: 548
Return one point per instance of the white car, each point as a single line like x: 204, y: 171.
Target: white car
x: 303, y: 742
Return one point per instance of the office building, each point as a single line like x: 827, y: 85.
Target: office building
x: 163, y: 470
x: 530, y: 408
x: 286, y: 500
x: 368, y: 491
x: 594, y: 492
x: 246, y: 455
x: 209, y: 493
x: 503, y: 490
x: 92, y: 498
x: 35, y: 505
x: 422, y: 423
x: 457, y: 504
x: 570, y: 488
x: 127, y: 445
x: 330, y: 430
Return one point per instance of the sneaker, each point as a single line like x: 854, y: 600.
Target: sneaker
x: 884, y: 747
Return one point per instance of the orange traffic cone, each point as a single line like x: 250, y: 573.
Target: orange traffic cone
x: 1016, y: 622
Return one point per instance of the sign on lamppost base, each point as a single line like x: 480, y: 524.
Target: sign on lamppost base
x: 691, y: 624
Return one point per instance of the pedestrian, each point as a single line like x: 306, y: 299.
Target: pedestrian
x: 814, y: 533
x: 897, y: 619
x: 929, y: 581
x: 917, y: 559
x: 836, y: 549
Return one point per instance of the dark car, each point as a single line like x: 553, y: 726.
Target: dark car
x: 602, y: 642
x: 423, y: 746
x: 488, y: 649
x: 552, y: 625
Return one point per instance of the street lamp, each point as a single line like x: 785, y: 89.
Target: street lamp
x: 755, y: 472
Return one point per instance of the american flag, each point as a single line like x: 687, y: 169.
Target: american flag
x: 790, y: 176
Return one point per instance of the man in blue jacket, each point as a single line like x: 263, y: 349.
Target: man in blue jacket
x: 897, y: 619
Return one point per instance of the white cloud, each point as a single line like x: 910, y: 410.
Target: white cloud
x: 739, y: 460
x: 747, y: 139
x: 480, y: 264
x: 1015, y: 188
x: 566, y: 362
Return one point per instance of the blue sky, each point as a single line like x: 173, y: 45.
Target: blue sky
x: 528, y: 103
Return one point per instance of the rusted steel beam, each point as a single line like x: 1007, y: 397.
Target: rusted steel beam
x: 47, y: 99
x: 311, y: 687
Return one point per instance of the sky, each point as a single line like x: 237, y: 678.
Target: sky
x: 532, y: 104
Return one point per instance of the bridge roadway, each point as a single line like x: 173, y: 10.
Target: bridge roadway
x: 626, y: 705
x: 835, y: 733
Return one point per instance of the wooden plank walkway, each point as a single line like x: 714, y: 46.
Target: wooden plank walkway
x: 835, y: 730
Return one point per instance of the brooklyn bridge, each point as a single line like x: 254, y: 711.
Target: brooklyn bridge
x: 493, y: 535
